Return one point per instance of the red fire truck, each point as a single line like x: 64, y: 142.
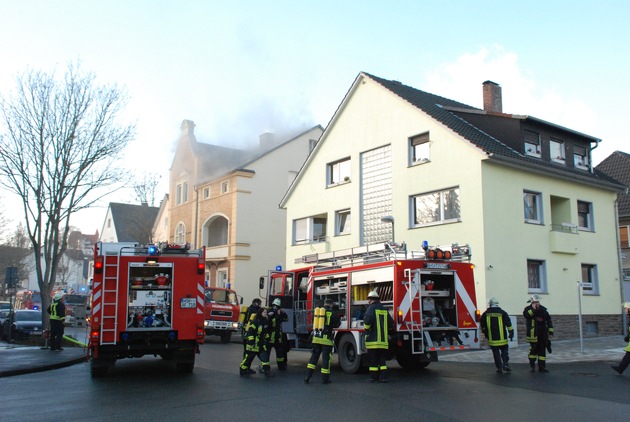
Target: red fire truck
x: 146, y: 300
x: 430, y: 294
x: 221, y: 312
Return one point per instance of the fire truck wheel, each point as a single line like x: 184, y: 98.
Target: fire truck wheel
x: 100, y: 367
x: 226, y: 337
x: 349, y: 357
x: 185, y: 364
x: 409, y: 361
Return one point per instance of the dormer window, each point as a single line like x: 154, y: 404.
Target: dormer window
x: 580, y: 158
x: 532, y: 143
x: 556, y: 151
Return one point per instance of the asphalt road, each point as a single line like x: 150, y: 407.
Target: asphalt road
x: 149, y: 389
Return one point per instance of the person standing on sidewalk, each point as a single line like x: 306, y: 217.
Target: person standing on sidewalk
x: 57, y: 311
x: 625, y: 361
x: 497, y: 327
x: 323, y: 344
x: 539, y: 328
x: 377, y: 322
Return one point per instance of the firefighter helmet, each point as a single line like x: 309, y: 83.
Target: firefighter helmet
x: 276, y: 301
x: 626, y: 305
x: 373, y: 295
x: 534, y: 298
x: 493, y: 301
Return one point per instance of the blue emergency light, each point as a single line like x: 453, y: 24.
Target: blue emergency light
x: 153, y: 250
x: 425, y: 245
x: 278, y: 267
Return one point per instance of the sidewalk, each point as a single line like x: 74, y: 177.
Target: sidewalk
x: 17, y: 360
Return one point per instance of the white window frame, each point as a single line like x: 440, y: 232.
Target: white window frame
x: 343, y: 221
x: 434, y: 202
x: 532, y: 143
x: 206, y: 193
x: 580, y: 158
x: 180, y: 233
x: 536, y: 274
x: 225, y: 187
x: 181, y: 196
x: 556, y: 151
x: 420, y: 149
x: 222, y: 278
x: 585, y: 219
x: 536, y: 207
x: 589, y: 275
x: 338, y: 172
x: 309, y: 229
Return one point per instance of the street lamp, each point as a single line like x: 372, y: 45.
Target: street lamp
x: 390, y: 219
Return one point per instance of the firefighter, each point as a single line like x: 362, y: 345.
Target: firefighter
x: 497, y: 327
x: 323, y: 344
x: 250, y: 314
x: 257, y: 345
x: 278, y: 340
x: 625, y: 361
x: 57, y: 311
x: 539, y: 328
x: 377, y: 322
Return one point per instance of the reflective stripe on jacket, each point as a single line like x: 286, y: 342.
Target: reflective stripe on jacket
x: 495, y: 323
x: 537, y: 324
x: 57, y: 310
x: 377, y: 323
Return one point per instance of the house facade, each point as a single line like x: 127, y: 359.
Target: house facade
x: 227, y: 200
x: 397, y: 163
x: 128, y: 223
x: 617, y: 166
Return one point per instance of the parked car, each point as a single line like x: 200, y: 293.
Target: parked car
x: 21, y: 324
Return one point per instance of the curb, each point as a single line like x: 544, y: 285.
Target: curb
x: 42, y: 368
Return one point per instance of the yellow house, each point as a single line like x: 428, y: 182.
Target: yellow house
x: 226, y: 199
x: 399, y: 164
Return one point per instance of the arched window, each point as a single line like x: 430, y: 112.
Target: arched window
x: 180, y: 233
x: 215, y: 231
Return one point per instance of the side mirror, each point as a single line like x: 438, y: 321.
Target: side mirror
x: 261, y: 283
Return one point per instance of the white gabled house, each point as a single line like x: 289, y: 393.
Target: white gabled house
x: 519, y: 190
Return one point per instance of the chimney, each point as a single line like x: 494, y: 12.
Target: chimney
x: 188, y: 127
x: 492, y: 97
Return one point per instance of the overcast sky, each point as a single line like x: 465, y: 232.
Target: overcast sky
x: 240, y: 68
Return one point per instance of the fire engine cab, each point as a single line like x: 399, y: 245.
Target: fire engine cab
x: 146, y: 300
x: 430, y: 294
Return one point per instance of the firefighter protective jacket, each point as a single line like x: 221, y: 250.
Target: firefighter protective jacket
x: 538, y: 324
x: 57, y: 310
x: 276, y: 319
x: 249, y: 317
x: 495, y: 325
x: 325, y: 336
x: 377, y: 322
x: 257, y: 335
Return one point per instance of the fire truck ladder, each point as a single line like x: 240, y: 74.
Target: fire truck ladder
x: 109, y: 313
x: 416, y: 326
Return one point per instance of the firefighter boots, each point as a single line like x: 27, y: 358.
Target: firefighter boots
x: 307, y: 377
x: 507, y: 368
x: 623, y: 364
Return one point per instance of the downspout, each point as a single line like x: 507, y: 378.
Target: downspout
x: 620, y: 264
x: 590, y: 162
x: 196, y: 217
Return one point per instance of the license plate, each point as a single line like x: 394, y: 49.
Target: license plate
x: 188, y: 302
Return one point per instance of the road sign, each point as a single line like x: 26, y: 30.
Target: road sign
x: 587, y: 285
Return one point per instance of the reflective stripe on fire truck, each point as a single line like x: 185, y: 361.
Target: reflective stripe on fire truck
x: 96, y: 297
x: 200, y: 298
x: 468, y: 304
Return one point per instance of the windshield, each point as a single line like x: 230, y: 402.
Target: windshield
x: 221, y: 296
x: 75, y: 299
x: 28, y: 316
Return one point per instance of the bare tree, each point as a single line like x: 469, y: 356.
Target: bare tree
x: 145, y: 188
x: 59, y: 141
